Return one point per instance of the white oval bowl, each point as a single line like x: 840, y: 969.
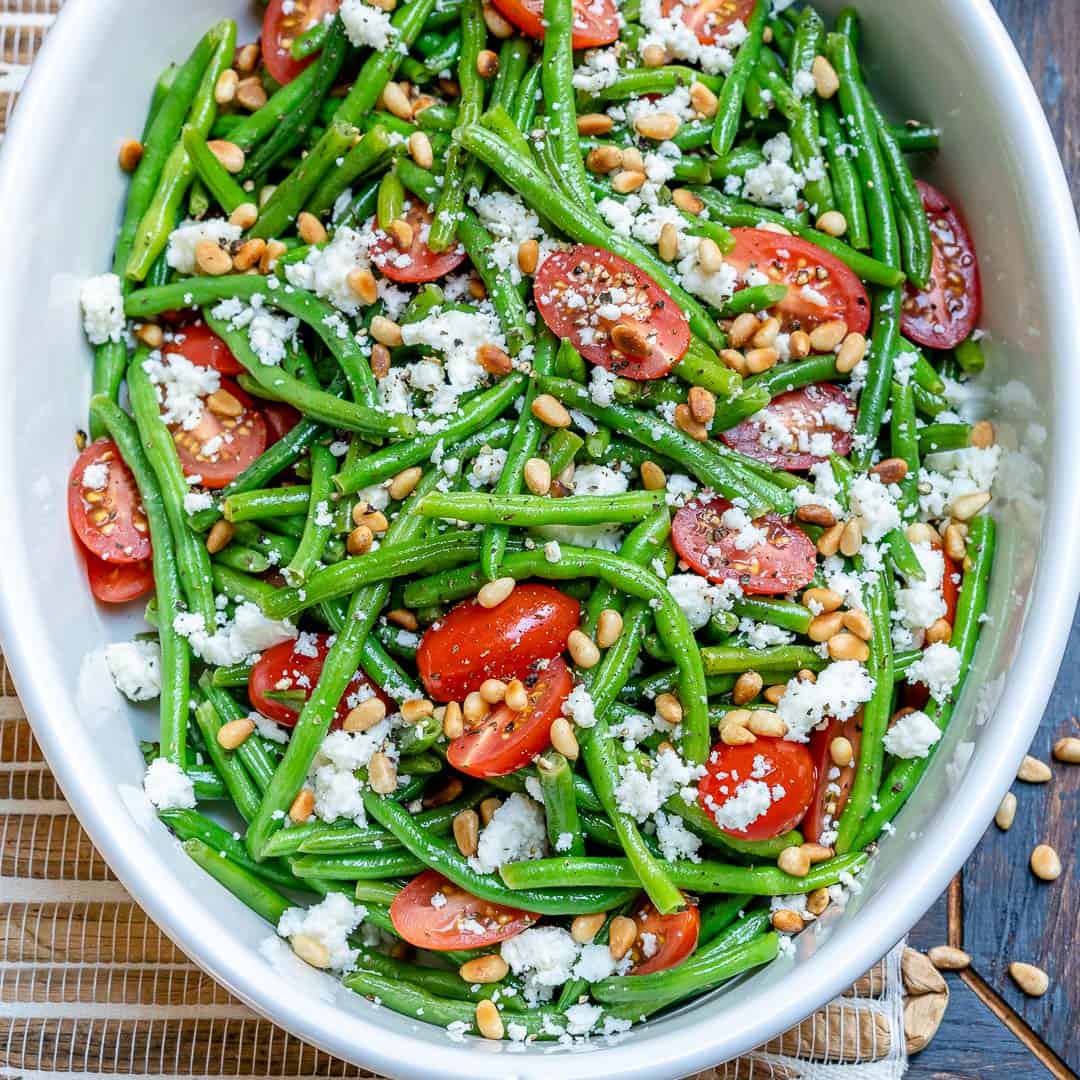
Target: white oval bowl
x: 948, y: 61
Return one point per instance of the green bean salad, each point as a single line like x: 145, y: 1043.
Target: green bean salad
x: 543, y: 432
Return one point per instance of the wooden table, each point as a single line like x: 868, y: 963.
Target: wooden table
x: 995, y: 908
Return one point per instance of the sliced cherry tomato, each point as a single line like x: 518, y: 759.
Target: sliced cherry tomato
x: 820, y: 286
x: 284, y: 670
x: 458, y: 920
x: 783, y: 562
x: 710, y: 19
x: 803, y: 413
x: 945, y: 313
x: 596, y: 22
x: 280, y: 420
x: 220, y: 447
x: 285, y: 20
x: 584, y: 293
x: 831, y: 792
x: 419, y: 263
x: 474, y: 643
x: 663, y: 941
x: 104, y: 506
x: 784, y: 768
x: 199, y: 344
x: 505, y: 740
x: 117, y: 583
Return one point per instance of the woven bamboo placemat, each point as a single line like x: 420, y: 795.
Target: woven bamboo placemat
x: 89, y: 986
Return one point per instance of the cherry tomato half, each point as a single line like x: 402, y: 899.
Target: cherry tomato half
x: 283, y: 21
x: 474, y: 643
x: 419, y: 263
x: 280, y: 419
x: 803, y: 413
x: 945, y: 313
x: 199, y: 344
x: 591, y: 296
x: 663, y: 941
x: 220, y: 447
x: 596, y: 22
x: 820, y: 286
x: 710, y: 19
x: 785, y: 768
x: 831, y: 792
x: 783, y: 562
x: 284, y: 670
x: 104, y: 506
x: 117, y: 583
x: 505, y: 740
x: 458, y: 921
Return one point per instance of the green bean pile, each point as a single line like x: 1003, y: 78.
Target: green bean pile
x: 362, y: 248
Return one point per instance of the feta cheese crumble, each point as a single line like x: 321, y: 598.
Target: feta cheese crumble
x: 135, y: 667
x: 103, y: 309
x: 167, y: 786
x: 912, y: 735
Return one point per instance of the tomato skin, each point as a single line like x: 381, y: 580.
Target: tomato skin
x: 596, y: 22
x: 676, y: 937
x: 424, y: 264
x: 791, y: 767
x: 800, y: 410
x: 246, y: 440
x: 710, y: 19
x: 283, y: 662
x: 199, y: 344
x: 422, y: 924
x: 505, y: 741
x: 945, y: 313
x: 128, y: 536
x: 117, y: 583
x: 472, y: 643
x: 589, y: 272
x: 280, y: 419
x: 783, y: 258
x: 784, y: 562
x: 827, y: 806
x: 279, y: 28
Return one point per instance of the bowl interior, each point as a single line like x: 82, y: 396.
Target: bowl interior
x: 944, y: 60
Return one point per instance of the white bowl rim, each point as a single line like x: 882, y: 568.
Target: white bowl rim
x: 133, y: 858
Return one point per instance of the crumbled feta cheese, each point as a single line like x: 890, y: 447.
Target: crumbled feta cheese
x: 699, y: 598
x: 751, y: 799
x: 167, y: 786
x: 599, y: 71
x: 103, y: 309
x: 366, y: 24
x: 912, y: 735
x: 249, y: 632
x: 517, y: 831
x: 579, y: 706
x: 675, y: 839
x: 180, y: 387
x: 545, y: 955
x: 938, y: 668
x: 325, y: 271
x: 602, y: 386
x: 185, y: 238
x: 838, y: 692
x: 871, y: 501
x: 919, y: 604
x: 329, y: 922
x: 194, y: 501
x: 268, y: 334
x: 135, y: 667
x: 640, y: 794
x: 671, y: 33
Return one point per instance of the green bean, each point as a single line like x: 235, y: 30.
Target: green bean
x: 238, y: 557
x: 253, y: 752
x: 175, y: 653
x: 875, y: 393
x: 262, y: 898
x: 700, y: 366
x: 905, y: 443
x: 783, y: 613
x: 903, y: 777
x: 806, y: 44
x: 929, y: 403
x: 372, y: 152
x: 319, y: 524
x: 526, y: 511
x: 845, y: 180
x: 150, y: 237
x: 213, y: 174
x: 783, y: 378
x: 560, y: 806
x: 706, y: 876
x: 357, y: 866
x: 390, y: 202
x: 232, y: 675
x: 913, y: 137
x: 753, y: 298
x: 165, y: 82
x: 717, y: 914
x: 728, y: 114
x: 728, y: 659
x: 936, y: 437
x: 379, y: 892
x: 561, y: 449
x: 263, y: 503
x: 309, y: 42
x: 969, y: 355
x: 277, y: 549
x: 249, y: 130
x: 661, y: 80
x: 241, y: 788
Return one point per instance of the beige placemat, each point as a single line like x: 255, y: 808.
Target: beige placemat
x: 90, y: 986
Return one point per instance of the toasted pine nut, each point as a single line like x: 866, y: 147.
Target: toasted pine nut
x: 488, y: 808
x: 404, y: 618
x: 687, y: 201
x: 609, y: 627
x: 247, y: 58
x: 248, y: 254
x: 774, y: 227
x: 948, y: 958
x: 211, y: 259
x: 806, y: 675
x: 151, y: 335
x: 594, y: 124
x: 702, y: 404
x: 494, y: 21
x: 654, y: 56
x: 604, y: 159
x: 549, y: 410
x: 1033, y: 771
x: 659, y: 127
x: 225, y: 87
x: 416, y: 709
x: 487, y: 64
x: 632, y: 338
x: 488, y: 1021
x: 735, y: 360
x: 955, y: 540
x: 585, y: 927
x: 375, y: 520
x: 845, y: 646
x: 222, y: 403
x: 747, y: 687
x: 484, y: 969
x: 382, y: 774
x: 890, y: 470
x: 626, y: 182
x: 131, y: 152
x: 786, y: 921
x: 814, y: 514
x: 453, y: 724
x: 767, y: 724
x: 274, y: 250
x: 966, y: 507
x: 1045, y: 863
x: 1067, y: 749
x: 794, y: 861
x: 310, y: 950
x: 799, y: 345
x: 851, y: 537
x: 493, y: 691
x: 739, y: 717
x: 365, y: 715
x: 493, y: 360
x: 563, y: 738
x: 982, y: 434
x: 310, y: 228
x: 858, y: 622
x: 538, y: 476
x: 401, y: 232
x: 822, y: 600
x: 495, y: 592
x: 219, y: 537
x: 403, y: 484
x: 228, y: 153
x: 921, y: 532
x: 1032, y: 980
x: 703, y: 100
x: 233, y: 734
x: 826, y: 81
x: 736, y: 735
x: 832, y: 223
x: 686, y: 423
x: 851, y: 352
x: 766, y: 333
x: 667, y: 247
x: 939, y: 630
x: 817, y: 901
x: 250, y: 93
x: 829, y: 541
x: 669, y: 709
x: 841, y: 752
x: 583, y: 649
x: 467, y: 831
x: 817, y: 852
x: 1006, y: 812
x: 774, y: 693
x: 827, y: 335
x: 653, y: 477
x: 516, y: 696
x: 396, y: 101
x: 528, y: 255
x: 303, y: 805
x: 621, y: 936
x: 825, y: 626
x: 759, y: 360
x: 742, y: 330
